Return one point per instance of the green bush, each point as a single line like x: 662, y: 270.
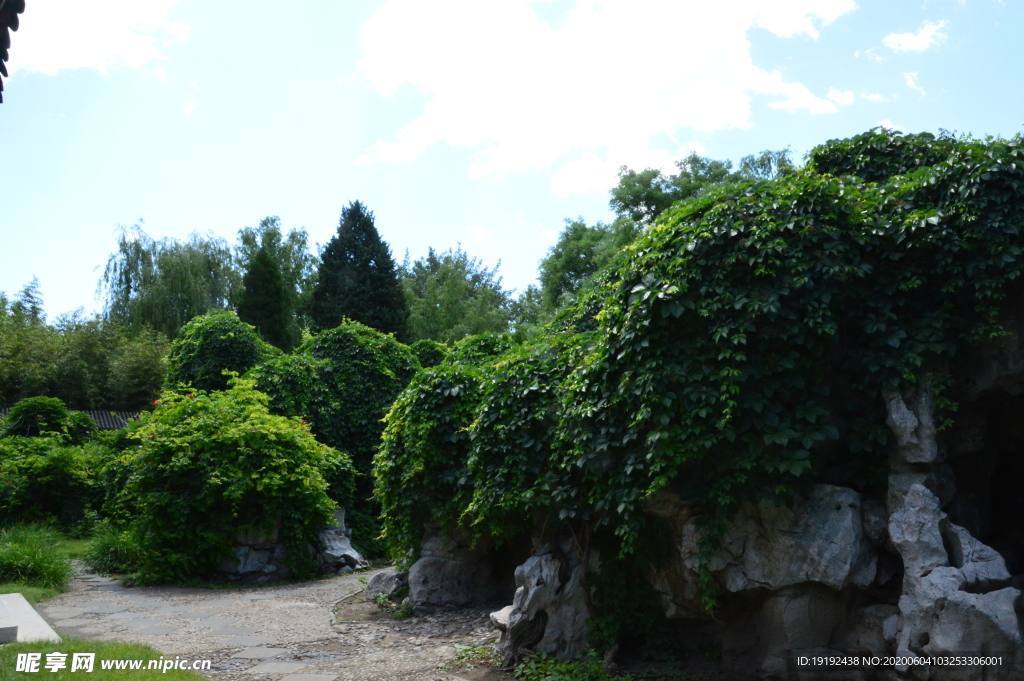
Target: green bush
x: 421, y: 470
x: 209, y: 465
x: 32, y: 554
x: 211, y: 344
x: 343, y: 382
x: 113, y: 551
x: 34, y: 416
x: 430, y: 353
x: 47, y: 479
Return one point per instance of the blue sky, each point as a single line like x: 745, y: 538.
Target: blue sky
x: 480, y: 122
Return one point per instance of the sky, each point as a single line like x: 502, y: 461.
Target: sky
x: 484, y: 123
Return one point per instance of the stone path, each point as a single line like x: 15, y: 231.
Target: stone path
x: 316, y: 631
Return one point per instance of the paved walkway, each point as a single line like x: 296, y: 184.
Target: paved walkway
x: 316, y: 631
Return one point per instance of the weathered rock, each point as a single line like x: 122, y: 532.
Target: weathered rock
x: 871, y: 631
x: 939, y: 614
x: 820, y: 540
x: 550, y: 609
x: 793, y: 620
x: 336, y: 551
x: 910, y: 419
x: 256, y: 557
x: 391, y: 583
x: 982, y: 567
x: 914, y: 531
x: 452, y: 572
x: 499, y: 618
x: 985, y: 624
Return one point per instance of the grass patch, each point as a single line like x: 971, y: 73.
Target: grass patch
x: 34, y: 555
x: 104, y: 650
x: 112, y: 552
x: 32, y: 594
x: 74, y: 548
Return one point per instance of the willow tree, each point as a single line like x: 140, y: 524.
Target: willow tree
x: 162, y: 284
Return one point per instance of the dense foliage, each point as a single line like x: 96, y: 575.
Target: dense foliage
x: 47, y: 479
x: 263, y: 301
x: 87, y: 363
x: 208, y: 465
x: 161, y: 284
x: 739, y: 334
x: 429, y: 353
x: 342, y: 381
x: 210, y: 345
x: 451, y: 296
x: 358, y: 279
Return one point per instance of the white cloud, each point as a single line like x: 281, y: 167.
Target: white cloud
x: 190, y: 100
x: 911, y: 80
x: 889, y: 125
x: 583, y: 98
x: 68, y: 34
x: 478, y: 234
x: 929, y: 34
x: 873, y: 97
x: 840, y: 98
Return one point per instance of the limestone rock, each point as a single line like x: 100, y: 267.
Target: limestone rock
x: 914, y: 531
x: 452, y: 572
x: 550, y: 609
x: 387, y: 582
x: 982, y: 567
x: 820, y: 540
x: 336, y: 551
x: 913, y: 424
x: 499, y: 618
x: 986, y: 624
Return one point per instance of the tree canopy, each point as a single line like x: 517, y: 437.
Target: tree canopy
x: 451, y: 296
x: 161, y: 284
x: 358, y: 279
x: 264, y: 302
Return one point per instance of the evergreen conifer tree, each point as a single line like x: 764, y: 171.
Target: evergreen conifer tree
x: 358, y: 278
x: 264, y: 301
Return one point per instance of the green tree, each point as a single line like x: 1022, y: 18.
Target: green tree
x: 161, y: 284
x: 451, y: 296
x: 643, y: 196
x: 358, y: 279
x: 264, y: 302
x: 28, y: 347
x: 579, y: 253
x: 291, y: 253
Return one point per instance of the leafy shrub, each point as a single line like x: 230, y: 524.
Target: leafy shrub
x: 113, y: 551
x: 421, y: 470
x: 342, y: 381
x: 211, y: 464
x: 211, y: 344
x: 479, y: 348
x: 34, y: 416
x: 544, y: 668
x: 47, y: 479
x: 430, y: 353
x: 32, y: 554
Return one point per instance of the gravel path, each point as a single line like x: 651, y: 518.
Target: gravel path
x: 316, y: 631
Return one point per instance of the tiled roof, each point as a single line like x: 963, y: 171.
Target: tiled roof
x: 105, y: 420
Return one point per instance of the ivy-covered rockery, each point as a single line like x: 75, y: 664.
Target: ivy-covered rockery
x: 737, y: 352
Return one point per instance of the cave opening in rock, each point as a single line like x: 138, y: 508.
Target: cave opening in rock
x: 987, y: 458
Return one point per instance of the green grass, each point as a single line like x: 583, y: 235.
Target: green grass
x: 74, y: 548
x: 34, y: 555
x: 104, y: 650
x: 112, y: 552
x: 32, y: 594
